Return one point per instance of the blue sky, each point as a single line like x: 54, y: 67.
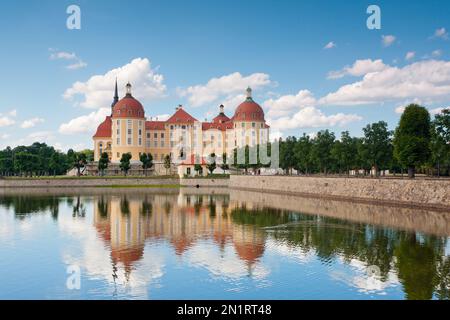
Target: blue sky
x: 204, y: 53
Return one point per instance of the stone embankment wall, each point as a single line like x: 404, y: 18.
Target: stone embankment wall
x: 432, y: 193
x: 204, y: 182
x: 83, y: 182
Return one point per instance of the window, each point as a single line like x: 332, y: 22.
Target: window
x: 129, y: 131
x: 162, y: 143
x: 243, y: 124
x: 253, y: 125
x: 140, y: 141
x: 261, y: 125
x: 140, y: 132
x: 129, y: 140
x: 155, y: 144
x: 171, y: 127
x: 118, y: 141
x: 172, y: 144
x: 155, y: 135
x: 162, y: 135
x: 188, y: 171
x: 148, y: 135
x: 118, y: 154
x: 148, y: 144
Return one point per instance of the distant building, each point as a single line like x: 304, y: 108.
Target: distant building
x: 182, y: 137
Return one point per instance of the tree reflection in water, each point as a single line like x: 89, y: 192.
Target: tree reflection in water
x: 126, y: 222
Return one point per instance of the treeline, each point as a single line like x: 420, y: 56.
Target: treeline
x: 39, y: 159
x: 418, y: 144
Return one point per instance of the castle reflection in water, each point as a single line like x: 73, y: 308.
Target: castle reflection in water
x: 125, y: 223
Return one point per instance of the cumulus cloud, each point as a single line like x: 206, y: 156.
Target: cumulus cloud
x: 410, y: 55
x: 86, y: 123
x: 223, y: 88
x: 30, y: 123
x: 97, y: 92
x: 428, y: 80
x: 284, y: 105
x: 311, y: 117
x: 330, y: 45
x: 440, y: 33
x: 77, y: 63
x: 388, y: 40
x: 7, y: 120
x: 359, y: 68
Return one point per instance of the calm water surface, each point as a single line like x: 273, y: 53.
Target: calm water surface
x: 217, y: 244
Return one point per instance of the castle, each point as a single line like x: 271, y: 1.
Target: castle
x: 182, y: 137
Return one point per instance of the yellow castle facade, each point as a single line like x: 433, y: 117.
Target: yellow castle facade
x: 182, y: 137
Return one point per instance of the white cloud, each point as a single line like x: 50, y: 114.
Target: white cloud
x: 410, y: 55
x: 77, y: 65
x: 428, y: 80
x: 388, y: 40
x: 97, y: 92
x: 436, y: 53
x: 68, y: 56
x: 85, y: 124
x: 4, y: 136
x: 330, y: 45
x: 225, y: 88
x: 440, y: 33
x: 30, y: 123
x: 359, y: 68
x: 6, y: 120
x: 286, y: 104
x: 311, y: 117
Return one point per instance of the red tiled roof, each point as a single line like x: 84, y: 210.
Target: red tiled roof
x: 219, y: 126
x: 128, y: 107
x: 221, y: 118
x: 154, y: 125
x: 193, y: 160
x: 104, y: 129
x: 181, y: 116
x: 249, y: 110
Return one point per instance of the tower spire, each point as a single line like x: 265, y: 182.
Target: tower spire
x: 115, y: 99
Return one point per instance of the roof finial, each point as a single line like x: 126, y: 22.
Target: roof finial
x: 221, y: 109
x: 128, y: 88
x: 249, y: 93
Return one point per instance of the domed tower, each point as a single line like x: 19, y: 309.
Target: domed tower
x: 249, y: 123
x: 128, y: 127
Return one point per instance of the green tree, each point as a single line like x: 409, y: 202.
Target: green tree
x: 302, y: 154
x: 103, y: 163
x: 287, y: 154
x: 224, y: 166
x: 412, y: 138
x: 377, y: 145
x: 211, y: 163
x: 198, y: 168
x: 440, y: 140
x: 321, y: 150
x: 147, y: 161
x: 167, y: 163
x: 125, y: 162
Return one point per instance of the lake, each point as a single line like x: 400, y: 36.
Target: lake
x: 139, y: 243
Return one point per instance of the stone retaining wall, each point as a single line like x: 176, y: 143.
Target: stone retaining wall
x: 204, y: 182
x: 74, y: 183
x: 434, y: 193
